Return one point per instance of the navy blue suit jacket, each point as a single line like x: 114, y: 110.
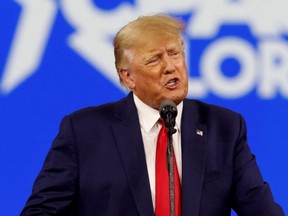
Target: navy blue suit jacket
x: 96, y: 166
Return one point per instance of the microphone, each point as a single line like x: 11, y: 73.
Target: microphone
x: 168, y: 112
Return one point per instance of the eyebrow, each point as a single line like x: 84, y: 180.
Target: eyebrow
x: 154, y: 53
x: 150, y: 56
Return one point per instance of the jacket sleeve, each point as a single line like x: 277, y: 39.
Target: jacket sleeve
x: 252, y: 196
x: 55, y: 187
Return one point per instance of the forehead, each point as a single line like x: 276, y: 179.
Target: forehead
x: 156, y: 46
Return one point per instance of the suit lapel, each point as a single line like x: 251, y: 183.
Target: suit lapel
x: 193, y: 140
x: 130, y: 145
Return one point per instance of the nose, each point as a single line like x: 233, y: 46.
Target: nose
x: 168, y: 64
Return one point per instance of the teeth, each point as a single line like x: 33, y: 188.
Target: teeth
x: 171, y: 81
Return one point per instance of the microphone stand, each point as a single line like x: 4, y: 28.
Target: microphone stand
x: 170, y: 159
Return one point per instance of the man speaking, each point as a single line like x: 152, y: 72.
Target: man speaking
x: 123, y: 158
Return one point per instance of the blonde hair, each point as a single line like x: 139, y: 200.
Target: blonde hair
x: 141, y: 31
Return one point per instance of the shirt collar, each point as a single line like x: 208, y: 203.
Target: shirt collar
x: 149, y: 116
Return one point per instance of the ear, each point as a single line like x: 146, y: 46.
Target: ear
x: 127, y: 78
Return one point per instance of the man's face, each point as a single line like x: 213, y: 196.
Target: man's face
x: 158, y: 71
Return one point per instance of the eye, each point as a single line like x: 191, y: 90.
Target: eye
x: 152, y: 60
x: 174, y: 54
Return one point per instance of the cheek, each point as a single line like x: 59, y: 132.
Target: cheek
x: 151, y: 76
x: 183, y: 70
x: 147, y: 82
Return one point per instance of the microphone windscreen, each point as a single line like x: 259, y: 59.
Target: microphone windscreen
x: 167, y: 106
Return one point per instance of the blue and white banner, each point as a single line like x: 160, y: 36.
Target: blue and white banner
x: 56, y: 56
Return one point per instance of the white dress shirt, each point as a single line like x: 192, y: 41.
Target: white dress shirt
x: 150, y: 128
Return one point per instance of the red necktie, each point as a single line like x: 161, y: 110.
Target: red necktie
x: 162, y: 203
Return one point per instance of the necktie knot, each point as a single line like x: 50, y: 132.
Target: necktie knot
x: 161, y: 121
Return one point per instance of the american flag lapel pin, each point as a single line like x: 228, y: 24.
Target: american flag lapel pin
x: 199, y: 132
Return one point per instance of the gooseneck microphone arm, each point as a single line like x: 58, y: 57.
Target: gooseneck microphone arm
x: 168, y: 112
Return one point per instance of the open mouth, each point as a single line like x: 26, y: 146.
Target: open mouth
x: 172, y: 83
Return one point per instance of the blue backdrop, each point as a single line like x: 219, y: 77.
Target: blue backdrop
x: 57, y: 57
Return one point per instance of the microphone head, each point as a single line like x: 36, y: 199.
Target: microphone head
x: 167, y: 107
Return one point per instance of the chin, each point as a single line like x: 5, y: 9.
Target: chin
x: 176, y: 99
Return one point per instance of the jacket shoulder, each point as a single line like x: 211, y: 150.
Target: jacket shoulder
x: 209, y: 112
x: 101, y: 112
